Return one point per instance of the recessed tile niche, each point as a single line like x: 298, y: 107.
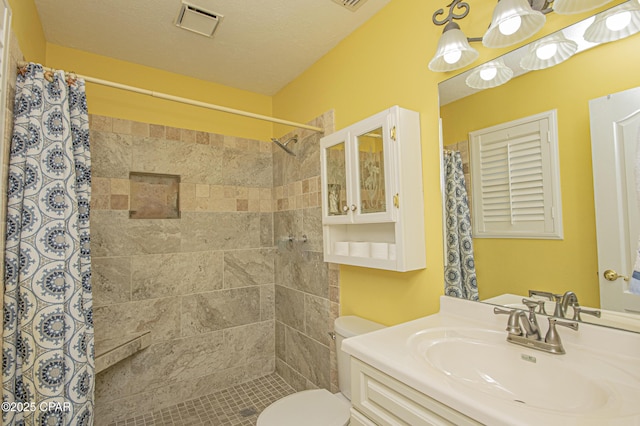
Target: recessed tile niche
x: 154, y: 196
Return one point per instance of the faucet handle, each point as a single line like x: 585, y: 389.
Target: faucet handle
x: 513, y: 324
x: 533, y: 304
x: 539, y: 293
x: 553, y: 338
x: 577, y: 310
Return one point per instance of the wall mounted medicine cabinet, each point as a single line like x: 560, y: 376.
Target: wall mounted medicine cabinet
x: 372, y: 200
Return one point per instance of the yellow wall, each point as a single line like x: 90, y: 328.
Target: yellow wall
x: 117, y: 103
x: 515, y: 266
x: 381, y: 64
x: 28, y: 29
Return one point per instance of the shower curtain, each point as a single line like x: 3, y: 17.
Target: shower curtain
x: 47, y: 349
x: 460, y: 272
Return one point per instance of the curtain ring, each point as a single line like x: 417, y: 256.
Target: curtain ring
x: 71, y: 78
x: 48, y: 75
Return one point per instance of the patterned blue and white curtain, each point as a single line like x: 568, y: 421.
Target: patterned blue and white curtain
x: 460, y: 271
x: 47, y: 349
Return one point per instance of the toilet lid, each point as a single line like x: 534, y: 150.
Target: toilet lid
x: 316, y: 407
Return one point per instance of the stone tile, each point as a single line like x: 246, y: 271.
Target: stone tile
x: 172, y: 133
x: 312, y: 227
x: 317, y: 318
x: 266, y: 229
x: 290, y: 307
x: 219, y: 231
x: 249, y: 342
x: 139, y: 129
x: 119, y: 202
x: 150, y: 155
x: 213, y: 387
x: 247, y: 168
x: 121, y: 126
x: 119, y: 186
x: 202, y: 138
x: 110, y: 280
x: 308, y: 357
x: 310, y: 274
x: 197, y: 163
x: 109, y: 235
x: 174, y: 274
x: 205, y: 312
x: 267, y: 302
x: 287, y: 223
x: 291, y: 376
x: 280, y: 346
x: 150, y: 236
x: 157, y: 131
x: 163, y: 364
x: 159, y: 316
x: 111, y: 155
x: 101, y: 123
x: 248, y: 267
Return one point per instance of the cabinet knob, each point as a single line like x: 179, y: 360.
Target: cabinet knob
x: 353, y: 207
x: 345, y: 208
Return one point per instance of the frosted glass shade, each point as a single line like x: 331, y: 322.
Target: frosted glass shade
x: 610, y: 24
x: 453, y: 52
x: 479, y: 78
x: 548, y: 52
x: 505, y: 30
x: 568, y: 7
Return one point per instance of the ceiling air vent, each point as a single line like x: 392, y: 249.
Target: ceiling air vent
x: 352, y: 5
x: 198, y: 20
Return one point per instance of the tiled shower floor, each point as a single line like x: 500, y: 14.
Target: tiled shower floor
x: 236, y: 406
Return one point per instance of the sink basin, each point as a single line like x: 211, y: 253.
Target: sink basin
x: 483, y: 361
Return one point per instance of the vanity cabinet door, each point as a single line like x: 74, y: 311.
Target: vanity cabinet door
x: 335, y: 156
x: 373, y: 186
x: 388, y: 402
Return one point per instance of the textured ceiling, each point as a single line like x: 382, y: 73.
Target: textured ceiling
x: 260, y: 45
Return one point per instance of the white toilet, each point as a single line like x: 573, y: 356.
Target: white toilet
x: 319, y: 407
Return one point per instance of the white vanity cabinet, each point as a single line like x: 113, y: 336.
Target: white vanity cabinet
x: 380, y: 400
x: 372, y: 200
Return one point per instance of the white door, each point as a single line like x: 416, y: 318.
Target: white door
x: 615, y: 135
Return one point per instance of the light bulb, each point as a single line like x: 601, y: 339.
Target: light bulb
x: 511, y: 25
x: 452, y: 57
x: 489, y: 73
x: 618, y: 21
x: 547, y: 51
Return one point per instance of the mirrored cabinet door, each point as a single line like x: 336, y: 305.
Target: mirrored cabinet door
x: 336, y: 182
x: 371, y: 172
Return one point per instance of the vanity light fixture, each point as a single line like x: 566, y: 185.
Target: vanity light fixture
x: 491, y: 74
x: 454, y: 50
x: 615, y: 24
x: 548, y: 51
x: 513, y: 21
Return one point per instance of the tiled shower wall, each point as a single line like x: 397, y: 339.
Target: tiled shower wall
x: 203, y: 284
x: 306, y: 288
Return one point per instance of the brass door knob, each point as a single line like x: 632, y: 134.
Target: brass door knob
x: 611, y: 275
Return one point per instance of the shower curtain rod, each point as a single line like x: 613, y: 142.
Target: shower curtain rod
x: 186, y: 100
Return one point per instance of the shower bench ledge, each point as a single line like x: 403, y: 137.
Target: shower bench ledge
x: 112, y: 351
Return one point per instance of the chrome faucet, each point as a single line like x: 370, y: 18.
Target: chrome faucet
x: 563, y: 301
x: 518, y: 321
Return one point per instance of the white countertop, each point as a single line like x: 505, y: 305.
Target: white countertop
x: 388, y: 351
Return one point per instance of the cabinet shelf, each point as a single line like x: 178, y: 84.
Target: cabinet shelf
x: 372, y: 198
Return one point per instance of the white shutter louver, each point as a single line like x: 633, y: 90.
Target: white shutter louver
x: 515, y: 179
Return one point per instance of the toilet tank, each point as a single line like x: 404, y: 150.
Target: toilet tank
x: 349, y: 326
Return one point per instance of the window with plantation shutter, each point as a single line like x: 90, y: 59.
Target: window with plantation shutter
x: 516, y: 180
